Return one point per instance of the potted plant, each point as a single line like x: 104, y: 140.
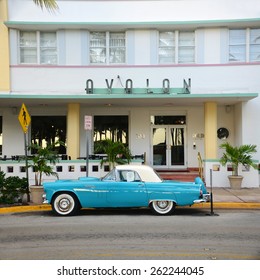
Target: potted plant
x: 42, y: 162
x: 236, y: 156
x: 116, y: 152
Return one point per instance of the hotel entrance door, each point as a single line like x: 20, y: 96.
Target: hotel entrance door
x: 168, y: 146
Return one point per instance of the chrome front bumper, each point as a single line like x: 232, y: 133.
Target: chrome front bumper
x: 44, y: 200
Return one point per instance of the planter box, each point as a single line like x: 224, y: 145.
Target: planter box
x: 36, y: 194
x: 235, y: 182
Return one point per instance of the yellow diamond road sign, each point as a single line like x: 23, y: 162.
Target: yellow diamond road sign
x: 24, y: 118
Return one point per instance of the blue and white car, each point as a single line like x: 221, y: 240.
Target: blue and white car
x: 124, y: 186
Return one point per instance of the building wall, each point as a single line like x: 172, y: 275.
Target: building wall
x: 132, y: 11
x: 204, y: 78
x: 142, y: 20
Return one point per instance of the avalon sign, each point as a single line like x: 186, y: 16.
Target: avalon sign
x: 129, y: 86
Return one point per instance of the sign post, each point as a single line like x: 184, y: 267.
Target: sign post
x: 25, y: 120
x: 88, y: 125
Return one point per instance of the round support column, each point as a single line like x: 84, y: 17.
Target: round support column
x: 210, y: 119
x: 73, y: 137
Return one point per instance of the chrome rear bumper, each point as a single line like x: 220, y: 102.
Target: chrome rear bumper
x: 206, y: 198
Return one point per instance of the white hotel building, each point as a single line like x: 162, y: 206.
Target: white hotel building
x: 171, y: 79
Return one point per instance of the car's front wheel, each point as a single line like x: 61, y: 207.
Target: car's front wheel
x: 162, y: 207
x: 65, y: 204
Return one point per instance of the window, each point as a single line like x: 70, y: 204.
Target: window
x: 107, y: 48
x: 114, y: 128
x: 48, y: 49
x: 128, y: 176
x: 165, y: 120
x: 244, y: 45
x: 117, y: 48
x: 186, y: 47
x: 28, y: 47
x: 167, y: 47
x: 48, y: 130
x: 38, y: 47
x: 111, y: 176
x: 254, y: 50
x: 98, y: 47
x: 176, y: 47
x: 237, y: 45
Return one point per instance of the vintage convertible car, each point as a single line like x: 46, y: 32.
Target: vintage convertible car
x: 124, y: 186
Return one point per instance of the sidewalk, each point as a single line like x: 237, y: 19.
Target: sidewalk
x: 223, y: 198
x: 245, y: 198
x: 244, y: 195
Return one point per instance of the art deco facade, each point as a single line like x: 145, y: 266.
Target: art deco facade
x: 168, y: 78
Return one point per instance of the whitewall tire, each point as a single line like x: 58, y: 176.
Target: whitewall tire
x: 162, y: 207
x: 65, y: 204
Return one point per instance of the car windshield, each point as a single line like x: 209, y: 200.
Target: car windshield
x: 111, y: 176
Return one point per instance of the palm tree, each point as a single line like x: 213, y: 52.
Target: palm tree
x: 42, y: 161
x: 50, y: 5
x: 238, y: 155
x: 116, y: 152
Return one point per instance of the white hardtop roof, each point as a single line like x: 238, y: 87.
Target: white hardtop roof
x: 146, y: 172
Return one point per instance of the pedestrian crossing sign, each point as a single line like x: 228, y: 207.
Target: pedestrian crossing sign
x: 24, y: 118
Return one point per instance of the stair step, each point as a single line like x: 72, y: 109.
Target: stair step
x: 179, y: 176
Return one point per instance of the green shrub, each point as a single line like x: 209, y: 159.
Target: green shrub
x: 11, y: 188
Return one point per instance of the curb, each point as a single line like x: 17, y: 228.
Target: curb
x: 217, y: 205
x: 25, y: 208
x: 230, y: 205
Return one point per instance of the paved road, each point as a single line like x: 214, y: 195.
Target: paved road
x: 131, y: 234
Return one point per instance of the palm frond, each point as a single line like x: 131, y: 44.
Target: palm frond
x: 238, y: 155
x: 50, y: 5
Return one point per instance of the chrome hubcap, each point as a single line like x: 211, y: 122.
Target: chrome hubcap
x: 162, y: 204
x: 64, y: 204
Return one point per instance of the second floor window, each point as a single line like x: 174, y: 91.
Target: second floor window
x: 107, y: 48
x: 38, y: 47
x: 237, y: 45
x: 176, y: 47
x: 186, y: 48
x: 244, y: 45
x: 254, y: 48
x: 167, y: 47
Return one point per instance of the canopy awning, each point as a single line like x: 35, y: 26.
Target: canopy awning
x: 124, y: 100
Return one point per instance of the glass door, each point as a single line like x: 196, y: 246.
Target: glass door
x: 168, y: 146
x: 176, y: 140
x: 159, y: 146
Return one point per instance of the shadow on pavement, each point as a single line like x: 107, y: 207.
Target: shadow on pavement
x: 120, y: 212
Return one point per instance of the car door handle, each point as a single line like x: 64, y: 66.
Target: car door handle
x: 141, y: 185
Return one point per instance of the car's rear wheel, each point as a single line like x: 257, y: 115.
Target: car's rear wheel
x: 163, y: 207
x: 65, y: 204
